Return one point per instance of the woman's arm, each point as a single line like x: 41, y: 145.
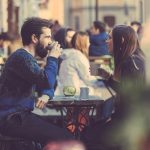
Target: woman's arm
x: 83, y: 69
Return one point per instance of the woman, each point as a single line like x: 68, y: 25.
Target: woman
x: 75, y: 67
x: 75, y: 71
x: 64, y: 36
x: 129, y: 76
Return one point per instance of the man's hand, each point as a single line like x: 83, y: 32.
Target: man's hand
x: 42, y: 101
x: 55, y: 51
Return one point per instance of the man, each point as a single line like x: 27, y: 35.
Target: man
x: 20, y: 76
x: 98, y: 45
x: 137, y: 26
x: 4, y: 44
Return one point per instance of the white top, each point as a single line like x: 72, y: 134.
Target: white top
x: 75, y: 71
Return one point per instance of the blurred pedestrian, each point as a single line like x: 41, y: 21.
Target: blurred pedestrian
x: 56, y: 26
x: 64, y: 36
x: 98, y: 37
x: 137, y: 26
x: 4, y: 44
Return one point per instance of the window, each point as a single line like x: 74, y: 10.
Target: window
x: 110, y: 20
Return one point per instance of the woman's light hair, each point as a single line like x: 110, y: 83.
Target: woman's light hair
x: 80, y: 41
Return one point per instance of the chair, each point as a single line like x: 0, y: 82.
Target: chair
x: 11, y: 143
x: 96, y: 62
x: 105, y: 58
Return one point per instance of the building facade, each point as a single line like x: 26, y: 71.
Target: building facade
x: 78, y: 14
x: 14, y: 12
x: 146, y: 10
x: 81, y: 13
x: 3, y: 15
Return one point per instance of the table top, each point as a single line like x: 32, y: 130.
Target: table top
x: 104, y: 57
x: 75, y: 101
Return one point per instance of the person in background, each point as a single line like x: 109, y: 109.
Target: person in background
x: 63, y: 36
x: 137, y: 26
x: 21, y: 76
x: 128, y: 77
x: 4, y: 44
x: 56, y: 26
x: 98, y: 45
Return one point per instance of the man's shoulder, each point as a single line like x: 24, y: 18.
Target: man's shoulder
x: 21, y: 54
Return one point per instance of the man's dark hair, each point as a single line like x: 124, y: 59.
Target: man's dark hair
x: 100, y: 25
x: 33, y: 26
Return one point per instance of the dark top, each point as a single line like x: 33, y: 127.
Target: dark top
x: 98, y: 45
x: 132, y: 81
x: 132, y: 72
x: 20, y: 76
x: 113, y: 134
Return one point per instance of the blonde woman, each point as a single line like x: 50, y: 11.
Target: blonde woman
x: 75, y: 67
x: 75, y: 71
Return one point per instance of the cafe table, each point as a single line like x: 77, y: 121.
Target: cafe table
x: 74, y: 106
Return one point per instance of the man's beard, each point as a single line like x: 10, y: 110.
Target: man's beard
x: 40, y: 50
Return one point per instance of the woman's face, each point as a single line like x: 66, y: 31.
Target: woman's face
x: 110, y: 43
x: 68, y: 38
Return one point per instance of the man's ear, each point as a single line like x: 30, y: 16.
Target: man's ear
x: 34, y: 38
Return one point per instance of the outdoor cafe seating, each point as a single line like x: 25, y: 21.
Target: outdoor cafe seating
x: 62, y: 104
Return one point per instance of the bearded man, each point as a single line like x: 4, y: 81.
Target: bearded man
x: 21, y: 76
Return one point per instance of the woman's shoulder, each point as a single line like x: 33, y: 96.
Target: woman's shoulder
x: 134, y: 62
x: 135, y: 57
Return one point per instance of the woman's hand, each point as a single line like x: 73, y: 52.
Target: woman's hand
x: 103, y: 73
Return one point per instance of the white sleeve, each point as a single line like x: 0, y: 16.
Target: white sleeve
x: 83, y: 69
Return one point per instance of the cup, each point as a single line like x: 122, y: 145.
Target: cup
x: 84, y: 93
